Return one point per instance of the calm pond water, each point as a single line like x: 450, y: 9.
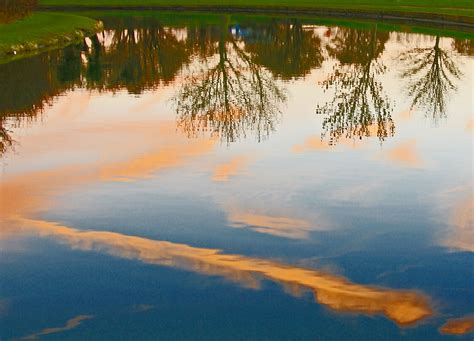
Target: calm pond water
x: 232, y: 178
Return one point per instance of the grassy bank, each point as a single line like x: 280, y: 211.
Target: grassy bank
x: 445, y: 9
x: 181, y: 18
x: 41, y: 31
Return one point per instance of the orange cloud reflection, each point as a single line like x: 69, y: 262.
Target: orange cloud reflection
x: 315, y: 143
x: 402, y: 306
x: 226, y: 170
x: 311, y: 143
x: 145, y: 165
x: 70, y: 324
x: 405, y: 155
x: 405, y: 115
x: 31, y: 193
x: 460, y: 326
x: 470, y: 126
x: 275, y: 225
x: 461, y: 236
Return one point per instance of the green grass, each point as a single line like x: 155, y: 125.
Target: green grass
x: 42, y: 30
x: 438, y: 8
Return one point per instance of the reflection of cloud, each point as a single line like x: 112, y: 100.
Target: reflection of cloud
x: 275, y: 225
x: 356, y: 193
x: 70, y: 324
x: 402, y: 306
x: 397, y: 271
x: 459, y: 326
x: 232, y: 168
x: 311, y: 143
x: 405, y: 155
x: 461, y: 237
x: 148, y: 102
x: 315, y: 143
x: 470, y: 126
x: 74, y: 104
x: 405, y: 115
x: 143, y: 166
x: 140, y: 308
x: 30, y: 193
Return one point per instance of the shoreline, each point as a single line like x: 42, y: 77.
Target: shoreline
x: 450, y: 21
x: 33, y: 38
x: 27, y: 47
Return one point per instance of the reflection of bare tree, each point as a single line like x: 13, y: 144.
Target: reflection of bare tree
x: 203, y: 40
x: 431, y: 72
x: 6, y: 140
x: 285, y: 48
x: 464, y: 46
x: 137, y: 58
x: 26, y: 87
x: 15, y: 9
x: 229, y: 95
x: 359, y: 107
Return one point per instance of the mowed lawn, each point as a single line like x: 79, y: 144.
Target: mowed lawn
x: 41, y: 29
x: 463, y: 8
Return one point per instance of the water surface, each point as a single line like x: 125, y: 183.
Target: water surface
x: 234, y: 178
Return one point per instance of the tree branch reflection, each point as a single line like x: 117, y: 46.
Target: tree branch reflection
x: 430, y: 73
x: 229, y: 94
x: 359, y: 108
x: 230, y: 87
x: 11, y: 10
x: 464, y: 46
x: 135, y: 58
x: 286, y: 48
x: 6, y: 140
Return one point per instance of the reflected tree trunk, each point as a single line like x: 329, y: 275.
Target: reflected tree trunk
x: 6, y: 140
x: 136, y: 58
x: 430, y: 73
x: 359, y: 107
x: 230, y: 96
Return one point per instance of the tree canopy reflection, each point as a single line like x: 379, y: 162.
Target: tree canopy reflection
x: 229, y: 94
x: 431, y: 73
x: 286, y: 48
x: 11, y: 10
x: 228, y: 75
x: 464, y: 46
x: 27, y: 86
x: 6, y: 140
x: 359, y: 107
x: 135, y: 59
